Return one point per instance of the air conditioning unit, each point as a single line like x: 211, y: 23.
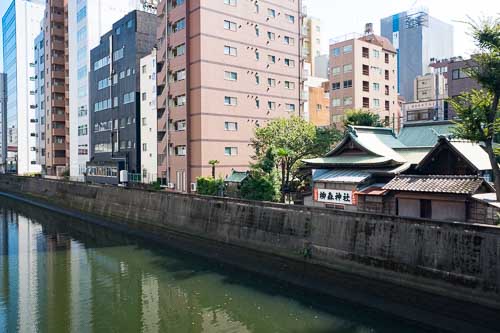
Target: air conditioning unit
x: 171, y: 185
x: 193, y: 187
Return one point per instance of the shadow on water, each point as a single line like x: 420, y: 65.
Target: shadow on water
x: 202, y: 278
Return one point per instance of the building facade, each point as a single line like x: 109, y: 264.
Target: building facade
x: 3, y: 122
x: 317, y: 101
x: 39, y: 47
x: 56, y: 88
x: 149, y: 122
x: 312, y: 41
x: 459, y: 80
x: 417, y: 37
x: 114, y: 84
x: 88, y: 20
x: 224, y: 68
x: 363, y: 75
x: 20, y: 27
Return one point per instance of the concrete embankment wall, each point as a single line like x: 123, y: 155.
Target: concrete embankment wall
x: 450, y: 268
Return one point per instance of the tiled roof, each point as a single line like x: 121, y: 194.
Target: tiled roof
x: 236, y: 176
x: 424, y: 135
x: 340, y: 175
x: 435, y: 184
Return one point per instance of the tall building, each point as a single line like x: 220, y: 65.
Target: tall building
x: 363, y: 75
x: 40, y: 101
x: 312, y: 41
x: 114, y: 89
x: 3, y: 122
x: 417, y: 37
x: 20, y: 27
x: 88, y: 20
x: 225, y: 67
x: 148, y: 119
x: 56, y: 85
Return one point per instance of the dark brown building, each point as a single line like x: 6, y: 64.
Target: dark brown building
x: 458, y: 79
x: 56, y: 81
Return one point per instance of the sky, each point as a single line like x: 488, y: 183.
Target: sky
x: 340, y: 17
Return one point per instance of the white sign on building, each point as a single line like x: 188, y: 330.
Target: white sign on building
x: 335, y: 197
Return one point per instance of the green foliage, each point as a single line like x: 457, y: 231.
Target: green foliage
x: 261, y: 187
x: 361, y: 118
x: 283, y: 143
x: 472, y: 109
x: 156, y: 186
x: 209, y: 185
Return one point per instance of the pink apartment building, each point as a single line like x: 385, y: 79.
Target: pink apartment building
x: 363, y: 75
x: 224, y: 68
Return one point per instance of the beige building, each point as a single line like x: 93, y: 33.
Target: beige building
x: 430, y: 87
x: 430, y: 104
x: 224, y: 68
x: 363, y: 75
x: 312, y: 41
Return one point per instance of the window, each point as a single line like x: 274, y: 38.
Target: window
x: 290, y: 18
x: 335, y: 85
x: 376, y: 103
x: 336, y: 52
x: 271, y: 35
x: 365, y: 52
x: 271, y: 82
x: 257, y: 103
x: 386, y: 56
x: 348, y: 68
x: 425, y: 208
x: 101, y: 63
x: 228, y: 50
x: 347, y: 84
x: 271, y: 12
x: 129, y: 97
x: 231, y: 76
x: 336, y: 102
x: 257, y: 55
x: 179, y: 75
x: 118, y: 31
x: 178, y: 51
x: 288, y: 40
x: 366, y: 70
x: 230, y: 101
x: 144, y: 121
x: 347, y: 100
x: 387, y: 105
x: 81, y: 34
x: 231, y: 151
x: 376, y: 53
x: 178, y: 25
x: 144, y: 96
x: 103, y: 84
x: 179, y: 100
x: 229, y: 25
x: 289, y: 62
x: 180, y: 150
x: 144, y: 147
x: 460, y: 73
x: 290, y: 107
x: 386, y: 74
x: 289, y: 85
x: 82, y: 130
x: 230, y: 126
x: 366, y: 102
x: 230, y: 2
x: 376, y: 86
x: 180, y: 125
x: 257, y: 78
x: 130, y: 24
x: 335, y: 70
x: 81, y: 14
x: 118, y: 54
x: 271, y: 105
x: 82, y: 72
x: 348, y: 49
x: 271, y: 59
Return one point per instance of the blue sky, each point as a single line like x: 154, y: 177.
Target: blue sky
x: 340, y: 17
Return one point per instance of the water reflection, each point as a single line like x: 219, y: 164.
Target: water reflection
x: 61, y: 275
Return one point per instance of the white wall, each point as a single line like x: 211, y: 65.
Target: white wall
x: 28, y: 18
x: 148, y: 119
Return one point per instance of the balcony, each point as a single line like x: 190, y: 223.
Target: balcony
x: 162, y: 123
x: 58, y: 103
x: 57, y: 89
x: 58, y: 132
x: 58, y: 75
x: 59, y: 161
x: 161, y: 76
x: 58, y: 146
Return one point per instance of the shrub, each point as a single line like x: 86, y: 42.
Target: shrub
x: 209, y: 185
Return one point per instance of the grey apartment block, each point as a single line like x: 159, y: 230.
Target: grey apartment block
x: 418, y: 37
x: 3, y: 121
x: 114, y: 92
x: 40, y: 98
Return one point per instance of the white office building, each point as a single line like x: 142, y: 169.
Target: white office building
x: 20, y: 27
x: 88, y: 20
x: 149, y: 121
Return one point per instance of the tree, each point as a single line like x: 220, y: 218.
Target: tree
x: 283, y: 143
x: 361, y: 118
x: 259, y: 186
x: 209, y: 186
x: 478, y: 110
x: 213, y: 163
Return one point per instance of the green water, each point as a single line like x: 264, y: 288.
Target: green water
x: 58, y: 274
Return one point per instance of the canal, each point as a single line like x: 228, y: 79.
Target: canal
x: 59, y: 274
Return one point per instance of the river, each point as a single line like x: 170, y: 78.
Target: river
x: 59, y: 274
